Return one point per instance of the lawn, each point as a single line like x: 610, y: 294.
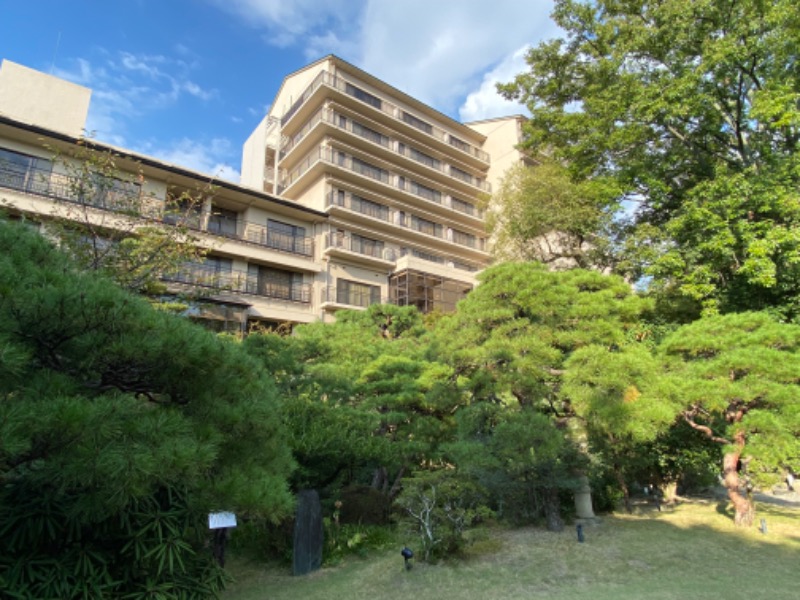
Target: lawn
x: 692, y: 551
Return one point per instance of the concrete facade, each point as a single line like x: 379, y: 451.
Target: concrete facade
x: 352, y: 193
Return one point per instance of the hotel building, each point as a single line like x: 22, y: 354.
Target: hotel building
x: 352, y: 193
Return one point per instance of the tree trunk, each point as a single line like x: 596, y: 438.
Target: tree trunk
x: 742, y: 505
x: 669, y: 490
x: 626, y: 494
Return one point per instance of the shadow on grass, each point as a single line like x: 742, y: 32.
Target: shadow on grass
x: 692, y: 552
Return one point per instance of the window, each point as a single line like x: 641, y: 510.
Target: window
x: 370, y: 134
x: 23, y: 172
x: 418, y: 123
x: 218, y: 264
x: 365, y: 245
x: 365, y: 168
x: 459, y: 174
x: 222, y: 222
x: 426, y: 226
x: 461, y: 145
x: 362, y: 95
x: 183, y: 211
x: 421, y: 190
x: 464, y: 239
x: 423, y: 255
x: 275, y: 283
x: 419, y: 156
x: 287, y: 237
x: 357, y: 294
x: 370, y: 208
x: 462, y: 207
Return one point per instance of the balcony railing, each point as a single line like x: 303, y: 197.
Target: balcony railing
x: 113, y: 196
x: 359, y: 205
x: 75, y: 190
x: 350, y: 297
x: 325, y: 115
x: 244, y: 231
x: 326, y: 78
x: 239, y: 282
x: 359, y: 245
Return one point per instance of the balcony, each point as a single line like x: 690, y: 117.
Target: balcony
x: 239, y: 282
x: 389, y: 146
x: 101, y: 193
x: 334, y: 298
x: 359, y: 249
x: 384, y: 106
x: 244, y: 231
x: 360, y: 205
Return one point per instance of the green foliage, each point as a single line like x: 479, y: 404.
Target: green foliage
x: 121, y: 427
x: 439, y: 507
x: 110, y: 225
x: 735, y: 377
x: 691, y: 113
x: 512, y: 334
x: 538, y: 213
x: 343, y: 540
x: 519, y: 458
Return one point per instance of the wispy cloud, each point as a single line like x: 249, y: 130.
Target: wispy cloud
x: 205, y: 156
x: 126, y: 86
x: 440, y: 51
x: 287, y: 23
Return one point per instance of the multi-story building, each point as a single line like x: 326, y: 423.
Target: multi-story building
x: 402, y: 183
x: 352, y: 193
x: 263, y: 261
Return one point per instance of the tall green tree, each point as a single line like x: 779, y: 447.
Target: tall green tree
x: 540, y: 214
x: 509, y: 344
x: 735, y: 380
x: 511, y: 336
x: 692, y: 110
x: 121, y: 428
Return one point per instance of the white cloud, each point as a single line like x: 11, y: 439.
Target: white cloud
x: 204, y: 157
x: 290, y: 22
x: 485, y: 102
x: 128, y: 86
x: 439, y: 51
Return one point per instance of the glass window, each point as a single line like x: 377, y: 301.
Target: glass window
x: 23, y: 172
x: 288, y: 237
x: 362, y: 95
x: 357, y: 294
x: 222, y: 221
x: 418, y: 123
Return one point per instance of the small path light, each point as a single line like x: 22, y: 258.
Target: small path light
x: 407, y: 554
x: 764, y: 526
x: 579, y: 529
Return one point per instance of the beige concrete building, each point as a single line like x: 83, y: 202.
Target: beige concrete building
x: 401, y: 182
x: 352, y: 193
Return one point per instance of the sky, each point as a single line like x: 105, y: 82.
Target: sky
x: 187, y: 81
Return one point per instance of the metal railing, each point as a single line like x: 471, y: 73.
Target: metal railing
x: 350, y: 297
x: 75, y: 190
x: 338, y: 83
x: 239, y: 282
x: 360, y: 205
x: 359, y: 245
x: 103, y: 195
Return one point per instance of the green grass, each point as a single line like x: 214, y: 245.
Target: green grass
x: 691, y: 552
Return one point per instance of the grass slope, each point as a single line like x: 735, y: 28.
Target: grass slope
x: 690, y: 552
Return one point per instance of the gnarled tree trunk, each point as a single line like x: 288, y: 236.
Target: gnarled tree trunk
x: 742, y: 505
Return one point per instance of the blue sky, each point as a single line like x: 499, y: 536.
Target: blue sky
x: 187, y: 80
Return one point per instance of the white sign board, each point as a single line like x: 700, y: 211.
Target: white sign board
x: 221, y: 519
